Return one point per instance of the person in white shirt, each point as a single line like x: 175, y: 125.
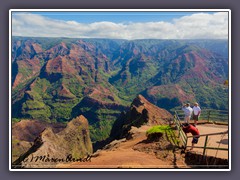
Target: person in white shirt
x: 187, y: 112
x: 196, y: 113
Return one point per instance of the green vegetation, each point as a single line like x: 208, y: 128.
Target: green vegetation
x: 113, y: 72
x: 159, y: 129
x: 15, y: 120
x: 100, y: 121
x: 100, y: 130
x: 134, y: 78
x: 166, y: 131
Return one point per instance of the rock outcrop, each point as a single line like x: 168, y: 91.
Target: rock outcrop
x: 49, y: 148
x: 27, y: 130
x: 141, y: 112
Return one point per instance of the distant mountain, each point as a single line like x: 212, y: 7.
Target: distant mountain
x: 171, y: 72
x: 57, y: 79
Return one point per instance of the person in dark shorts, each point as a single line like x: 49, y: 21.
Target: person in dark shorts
x: 188, y: 128
x: 196, y: 113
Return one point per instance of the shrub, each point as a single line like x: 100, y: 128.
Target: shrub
x: 158, y: 129
x: 165, y: 131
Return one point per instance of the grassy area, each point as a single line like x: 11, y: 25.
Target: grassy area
x: 167, y: 132
x: 158, y: 129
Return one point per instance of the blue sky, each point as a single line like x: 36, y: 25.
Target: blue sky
x: 117, y: 17
x: 122, y: 25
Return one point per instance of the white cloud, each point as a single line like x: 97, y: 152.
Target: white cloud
x: 195, y: 26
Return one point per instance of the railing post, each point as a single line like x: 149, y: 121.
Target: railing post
x: 186, y: 140
x: 209, y: 115
x: 205, y: 145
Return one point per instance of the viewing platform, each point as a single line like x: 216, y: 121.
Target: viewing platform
x: 214, y: 136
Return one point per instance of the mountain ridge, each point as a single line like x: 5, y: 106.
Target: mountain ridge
x: 56, y: 79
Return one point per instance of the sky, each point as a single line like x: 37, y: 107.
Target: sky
x: 121, y: 25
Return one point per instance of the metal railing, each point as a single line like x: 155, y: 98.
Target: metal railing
x: 206, y: 141
x: 209, y: 115
x: 184, y: 138
x: 181, y: 135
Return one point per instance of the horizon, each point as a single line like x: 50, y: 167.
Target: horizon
x: 119, y: 38
x: 122, y: 25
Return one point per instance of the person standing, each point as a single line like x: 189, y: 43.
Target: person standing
x: 196, y: 113
x: 188, y: 128
x: 187, y: 112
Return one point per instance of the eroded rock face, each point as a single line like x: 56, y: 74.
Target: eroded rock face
x: 150, y: 113
x: 27, y: 130
x: 49, y: 148
x: 141, y: 112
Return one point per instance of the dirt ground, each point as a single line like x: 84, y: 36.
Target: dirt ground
x: 122, y: 155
